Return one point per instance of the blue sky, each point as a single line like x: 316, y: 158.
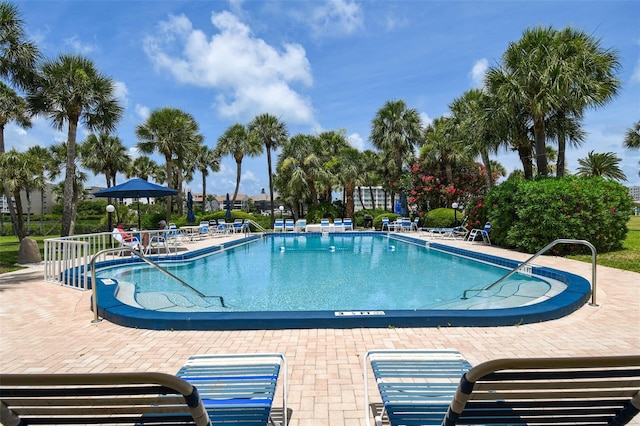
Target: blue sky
x: 318, y: 65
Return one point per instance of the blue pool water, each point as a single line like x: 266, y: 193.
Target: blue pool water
x: 338, y: 272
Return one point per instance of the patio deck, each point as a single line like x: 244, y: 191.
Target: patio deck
x: 45, y: 328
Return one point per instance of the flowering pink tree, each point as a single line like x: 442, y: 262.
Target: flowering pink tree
x: 430, y: 188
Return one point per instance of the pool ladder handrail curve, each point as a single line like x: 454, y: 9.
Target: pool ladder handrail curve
x: 94, y: 285
x: 257, y: 225
x: 542, y: 251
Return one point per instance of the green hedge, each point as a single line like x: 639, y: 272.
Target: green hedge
x: 442, y: 218
x: 528, y: 215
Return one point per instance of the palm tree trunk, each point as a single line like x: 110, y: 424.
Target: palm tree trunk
x: 525, y: 158
x: 349, y: 204
x: 70, y: 172
x: 373, y: 200
x: 487, y: 165
x: 541, y: 151
x: 18, y: 224
x: 562, y: 147
x: 238, y: 175
x: 268, y: 146
x: 204, y: 192
x: 169, y: 164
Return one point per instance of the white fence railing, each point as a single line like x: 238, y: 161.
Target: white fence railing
x: 65, y: 254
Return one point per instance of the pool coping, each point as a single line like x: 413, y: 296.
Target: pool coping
x: 571, y: 299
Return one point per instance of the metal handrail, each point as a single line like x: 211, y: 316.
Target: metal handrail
x: 542, y: 251
x: 94, y: 283
x: 257, y: 225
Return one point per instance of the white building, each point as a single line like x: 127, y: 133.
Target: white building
x: 368, y: 199
x: 635, y: 193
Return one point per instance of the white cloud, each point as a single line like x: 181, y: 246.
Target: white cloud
x: 252, y: 76
x: 635, y: 76
x: 478, y: 72
x: 143, y: 111
x: 336, y: 18
x: 426, y: 120
x: 356, y: 141
x: 78, y: 46
x: 121, y: 92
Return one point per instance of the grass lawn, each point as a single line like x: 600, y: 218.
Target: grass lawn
x: 628, y: 258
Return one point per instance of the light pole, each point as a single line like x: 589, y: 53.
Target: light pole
x: 110, y: 210
x: 455, y: 213
x: 281, y: 208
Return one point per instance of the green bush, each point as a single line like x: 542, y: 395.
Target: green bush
x: 441, y: 218
x: 528, y: 215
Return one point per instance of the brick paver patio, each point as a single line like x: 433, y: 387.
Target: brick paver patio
x: 47, y: 328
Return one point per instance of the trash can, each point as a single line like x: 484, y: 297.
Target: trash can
x: 367, y: 221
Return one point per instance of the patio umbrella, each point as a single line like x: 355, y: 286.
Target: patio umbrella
x: 228, y: 212
x: 191, y: 218
x: 136, y: 188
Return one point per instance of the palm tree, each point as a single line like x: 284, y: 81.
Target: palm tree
x: 632, y: 137
x: 207, y: 159
x: 40, y: 161
x: 444, y: 145
x: 172, y: 133
x: 238, y: 142
x: 396, y: 130
x: 16, y: 177
x: 470, y: 114
x: 18, y: 56
x: 601, y: 164
x: 272, y: 133
x: 142, y: 167
x: 71, y: 90
x: 549, y: 71
x: 370, y: 161
x: 585, y: 78
x: 302, y: 161
x: 105, y: 154
x: 347, y: 166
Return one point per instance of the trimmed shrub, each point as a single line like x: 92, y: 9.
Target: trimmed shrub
x: 441, y: 218
x: 528, y: 215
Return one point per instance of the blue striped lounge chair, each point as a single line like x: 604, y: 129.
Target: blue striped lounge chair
x: 325, y: 226
x: 278, y: 225
x: 416, y: 387
x: 338, y: 226
x: 348, y: 224
x: 289, y: 225
x: 238, y: 389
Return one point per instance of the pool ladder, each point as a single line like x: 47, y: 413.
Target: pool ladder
x: 527, y: 268
x: 94, y: 285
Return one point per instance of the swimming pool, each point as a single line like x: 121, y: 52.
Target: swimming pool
x: 363, y: 279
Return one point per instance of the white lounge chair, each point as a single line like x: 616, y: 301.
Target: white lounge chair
x: 278, y: 225
x: 338, y: 226
x: 130, y: 241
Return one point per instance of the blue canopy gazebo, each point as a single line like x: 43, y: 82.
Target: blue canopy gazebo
x: 136, y: 188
